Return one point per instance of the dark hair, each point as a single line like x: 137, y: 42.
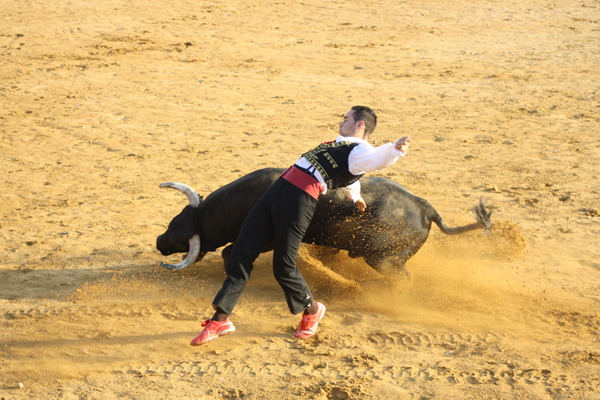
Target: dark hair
x: 362, y: 113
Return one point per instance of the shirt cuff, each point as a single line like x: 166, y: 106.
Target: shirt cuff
x: 352, y: 191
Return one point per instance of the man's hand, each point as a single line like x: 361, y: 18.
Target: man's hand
x: 402, y: 144
x: 362, y: 206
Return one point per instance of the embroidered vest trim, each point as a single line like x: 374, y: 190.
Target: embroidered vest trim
x: 331, y: 160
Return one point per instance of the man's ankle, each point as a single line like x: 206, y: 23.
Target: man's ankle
x: 312, y: 310
x: 220, y: 315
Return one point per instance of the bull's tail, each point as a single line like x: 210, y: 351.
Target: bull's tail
x: 483, y: 216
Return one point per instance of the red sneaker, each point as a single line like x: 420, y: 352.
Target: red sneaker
x: 213, y: 330
x: 308, y: 325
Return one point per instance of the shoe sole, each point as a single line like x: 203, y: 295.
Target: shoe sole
x: 223, y: 333
x: 316, y: 325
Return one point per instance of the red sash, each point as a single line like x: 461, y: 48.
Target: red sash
x: 303, y: 181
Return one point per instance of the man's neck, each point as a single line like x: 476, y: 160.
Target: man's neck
x: 358, y: 135
x: 352, y: 138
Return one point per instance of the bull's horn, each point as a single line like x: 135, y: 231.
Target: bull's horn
x: 192, y: 255
x: 185, y: 189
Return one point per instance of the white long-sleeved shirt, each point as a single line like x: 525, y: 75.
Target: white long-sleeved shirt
x: 362, y: 159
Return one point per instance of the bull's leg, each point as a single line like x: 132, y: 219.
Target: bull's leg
x: 390, y: 266
x: 393, y: 263
x: 390, y: 260
x: 226, y: 254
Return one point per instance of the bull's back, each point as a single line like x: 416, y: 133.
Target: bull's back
x: 223, y: 212
x: 392, y: 211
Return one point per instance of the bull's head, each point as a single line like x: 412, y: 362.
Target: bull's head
x: 182, y: 234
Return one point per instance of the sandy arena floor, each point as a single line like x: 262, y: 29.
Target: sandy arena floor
x: 102, y: 101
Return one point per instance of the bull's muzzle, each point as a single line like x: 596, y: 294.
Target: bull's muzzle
x: 192, y: 255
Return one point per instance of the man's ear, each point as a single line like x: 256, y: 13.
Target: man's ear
x: 360, y: 125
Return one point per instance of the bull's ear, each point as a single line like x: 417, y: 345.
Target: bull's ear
x: 201, y: 198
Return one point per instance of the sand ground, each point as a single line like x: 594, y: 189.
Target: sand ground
x: 102, y: 101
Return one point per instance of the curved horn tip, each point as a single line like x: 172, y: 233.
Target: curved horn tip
x: 170, y: 267
x: 167, y: 266
x: 189, y: 259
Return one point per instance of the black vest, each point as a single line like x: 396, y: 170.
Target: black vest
x: 331, y: 160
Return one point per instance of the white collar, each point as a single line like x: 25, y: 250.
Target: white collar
x: 353, y: 139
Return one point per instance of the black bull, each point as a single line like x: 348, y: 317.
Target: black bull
x: 392, y: 229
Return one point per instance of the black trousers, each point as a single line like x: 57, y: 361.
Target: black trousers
x: 282, y: 215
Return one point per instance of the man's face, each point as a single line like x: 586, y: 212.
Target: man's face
x: 348, y: 125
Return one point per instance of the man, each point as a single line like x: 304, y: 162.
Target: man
x: 284, y: 213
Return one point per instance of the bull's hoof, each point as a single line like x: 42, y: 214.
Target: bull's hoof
x: 397, y: 274
x: 403, y: 273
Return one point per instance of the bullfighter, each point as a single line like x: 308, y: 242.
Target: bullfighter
x: 285, y: 211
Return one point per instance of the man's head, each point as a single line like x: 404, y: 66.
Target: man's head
x: 359, y: 122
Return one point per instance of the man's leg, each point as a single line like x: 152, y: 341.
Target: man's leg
x: 292, y: 215
x: 291, y: 222
x: 256, y: 232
